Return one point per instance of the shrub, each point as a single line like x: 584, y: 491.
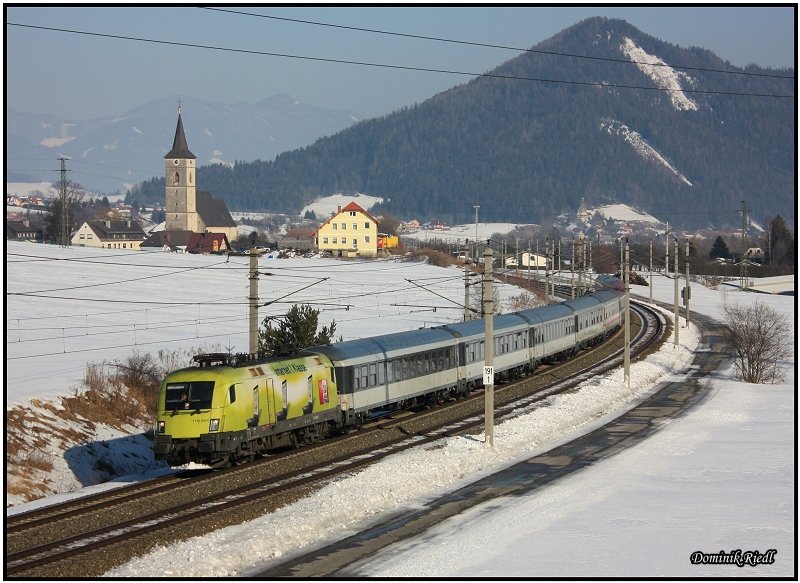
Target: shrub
x: 758, y: 335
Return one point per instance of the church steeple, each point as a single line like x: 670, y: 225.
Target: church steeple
x: 181, y: 194
x: 180, y: 149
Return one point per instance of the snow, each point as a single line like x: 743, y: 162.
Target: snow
x: 327, y: 206
x: 622, y: 212
x: 662, y: 75
x: 461, y: 233
x: 640, y: 146
x: 719, y: 478
x: 84, y: 304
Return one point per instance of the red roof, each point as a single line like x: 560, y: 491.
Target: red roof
x: 350, y: 207
x: 353, y: 207
x: 207, y: 243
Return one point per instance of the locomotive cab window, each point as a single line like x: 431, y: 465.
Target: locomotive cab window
x: 191, y: 395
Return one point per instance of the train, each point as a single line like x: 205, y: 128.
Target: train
x: 229, y: 408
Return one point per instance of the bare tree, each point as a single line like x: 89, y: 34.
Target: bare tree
x: 760, y: 337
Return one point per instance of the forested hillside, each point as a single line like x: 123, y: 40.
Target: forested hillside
x: 536, y: 135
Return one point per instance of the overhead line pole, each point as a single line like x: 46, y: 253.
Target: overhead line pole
x: 651, y: 271
x: 677, y: 312
x: 488, y: 369
x: 253, y: 344
x: 64, y: 235
x: 687, y: 288
x: 466, y: 285
x: 627, y: 355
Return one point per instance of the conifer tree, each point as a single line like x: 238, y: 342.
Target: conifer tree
x: 719, y: 249
x: 295, y: 331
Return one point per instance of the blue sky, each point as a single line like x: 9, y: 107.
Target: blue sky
x: 83, y: 77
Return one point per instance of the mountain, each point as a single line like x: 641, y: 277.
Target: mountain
x: 113, y: 153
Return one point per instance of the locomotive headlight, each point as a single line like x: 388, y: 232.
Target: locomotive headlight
x: 214, y: 425
x: 161, y: 427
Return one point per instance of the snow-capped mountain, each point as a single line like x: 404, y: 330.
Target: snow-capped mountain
x: 111, y: 153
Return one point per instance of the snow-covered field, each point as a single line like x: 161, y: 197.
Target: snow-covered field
x: 67, y: 307
x: 718, y: 479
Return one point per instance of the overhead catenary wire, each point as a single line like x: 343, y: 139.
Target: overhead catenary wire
x: 400, y: 67
x: 496, y: 46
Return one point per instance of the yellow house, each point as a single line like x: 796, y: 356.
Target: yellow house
x: 109, y: 234
x: 351, y: 232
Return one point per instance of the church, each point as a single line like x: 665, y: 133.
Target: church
x: 187, y: 210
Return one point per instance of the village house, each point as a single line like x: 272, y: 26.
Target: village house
x: 109, y: 234
x: 350, y: 232
x: 25, y: 230
x: 299, y: 239
x: 409, y: 226
x: 188, y: 242
x: 527, y: 260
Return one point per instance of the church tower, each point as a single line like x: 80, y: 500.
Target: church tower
x: 181, y: 194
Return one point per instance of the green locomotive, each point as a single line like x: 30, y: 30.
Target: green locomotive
x: 231, y: 408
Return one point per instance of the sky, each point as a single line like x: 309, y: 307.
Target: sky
x: 91, y: 76
x: 721, y: 477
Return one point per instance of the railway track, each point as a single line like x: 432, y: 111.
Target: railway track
x: 89, y: 536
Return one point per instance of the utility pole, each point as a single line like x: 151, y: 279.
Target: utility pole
x: 475, y: 254
x: 572, y: 271
x: 528, y: 273
x: 651, y: 271
x: 467, y: 315
x: 559, y: 255
x: 580, y: 264
x: 552, y: 268
x: 253, y: 347
x: 64, y: 234
x: 666, y: 246
x: 547, y: 268
x: 677, y: 313
x: 488, y: 317
x: 584, y: 276
x: 744, y: 281
x: 589, y: 264
x: 627, y: 356
x: 687, y: 288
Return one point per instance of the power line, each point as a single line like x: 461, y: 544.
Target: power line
x: 36, y: 293
x: 493, y: 46
x: 401, y: 67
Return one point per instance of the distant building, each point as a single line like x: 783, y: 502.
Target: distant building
x: 298, y: 238
x: 25, y: 230
x: 185, y: 208
x: 438, y: 225
x: 208, y: 243
x: 109, y: 234
x: 527, y: 261
x: 188, y: 242
x: 168, y: 240
x: 351, y: 232
x: 409, y: 226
